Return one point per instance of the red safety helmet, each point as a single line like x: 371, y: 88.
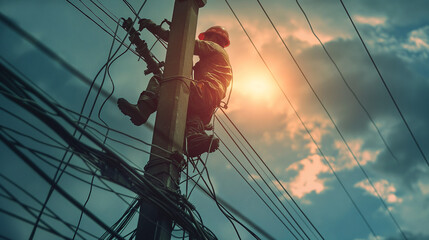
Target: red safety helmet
x: 221, y: 31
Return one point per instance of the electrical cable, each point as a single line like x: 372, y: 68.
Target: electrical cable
x: 84, y: 206
x: 99, y: 113
x: 42, y: 174
x: 260, y: 187
x: 14, y: 199
x: 270, y: 180
x: 12, y: 80
x: 387, y: 88
x: 14, y: 215
x: 83, y: 106
x: 89, y: 9
x: 248, y: 183
x: 272, y: 173
x: 300, y: 119
x: 86, y: 15
x: 114, y: 18
x: 367, y: 113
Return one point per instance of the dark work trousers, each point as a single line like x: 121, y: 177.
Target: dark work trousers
x: 203, y: 100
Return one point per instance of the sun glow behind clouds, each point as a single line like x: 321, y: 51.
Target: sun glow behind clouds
x: 256, y: 86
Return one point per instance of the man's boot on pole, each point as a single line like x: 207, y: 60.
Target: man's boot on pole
x: 197, y: 141
x: 146, y: 105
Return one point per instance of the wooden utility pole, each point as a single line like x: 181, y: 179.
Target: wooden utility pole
x: 170, y: 122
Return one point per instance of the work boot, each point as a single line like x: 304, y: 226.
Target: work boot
x: 200, y: 143
x: 140, y: 112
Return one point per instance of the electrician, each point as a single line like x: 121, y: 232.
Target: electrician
x: 212, y: 76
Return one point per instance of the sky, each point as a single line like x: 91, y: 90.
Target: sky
x: 265, y: 104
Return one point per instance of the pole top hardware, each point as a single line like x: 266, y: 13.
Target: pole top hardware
x: 141, y: 48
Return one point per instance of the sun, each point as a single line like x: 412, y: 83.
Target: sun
x: 257, y: 87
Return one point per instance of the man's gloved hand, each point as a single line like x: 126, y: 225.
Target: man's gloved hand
x: 144, y: 23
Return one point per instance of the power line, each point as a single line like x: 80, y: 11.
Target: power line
x: 272, y: 173
x: 50, y: 53
x: 281, y: 203
x: 367, y: 113
x: 346, y: 83
x: 302, y: 122
x: 385, y: 85
x: 171, y: 202
x: 324, y: 107
x: 254, y: 190
x: 58, y: 188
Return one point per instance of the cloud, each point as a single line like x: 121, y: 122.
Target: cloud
x: 386, y: 190
x: 417, y: 43
x: 372, y: 21
x: 371, y: 237
x: 307, y: 180
x: 345, y: 159
x: 424, y: 187
x: 410, y: 236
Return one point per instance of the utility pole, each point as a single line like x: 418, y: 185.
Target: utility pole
x: 170, y: 122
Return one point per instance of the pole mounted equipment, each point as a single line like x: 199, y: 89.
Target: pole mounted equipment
x: 141, y: 48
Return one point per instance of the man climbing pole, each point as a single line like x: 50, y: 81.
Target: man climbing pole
x: 212, y: 76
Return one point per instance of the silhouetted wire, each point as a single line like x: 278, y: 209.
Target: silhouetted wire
x: 347, y: 84
x: 387, y: 88
x: 116, y: 131
x: 51, y: 215
x: 367, y: 113
x: 38, y: 140
x: 131, y: 8
x: 3, y: 72
x: 99, y: 112
x: 101, y: 20
x: 124, y: 220
x: 43, y: 175
x: 250, y: 185
x: 212, y: 193
x: 26, y: 208
x: 262, y: 189
x: 89, y: 116
x: 42, y: 156
x: 60, y: 147
x: 13, y: 82
x: 272, y: 173
x: 114, y: 18
x: 111, y: 34
x: 84, y: 206
x: 302, y: 122
x: 75, y: 113
x: 46, y: 51
x: 265, y: 173
x: 16, y: 216
x: 200, y: 160
x: 227, y: 212
x: 60, y: 171
x: 228, y: 207
x: 38, y: 153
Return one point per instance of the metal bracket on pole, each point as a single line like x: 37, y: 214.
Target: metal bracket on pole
x: 141, y: 48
